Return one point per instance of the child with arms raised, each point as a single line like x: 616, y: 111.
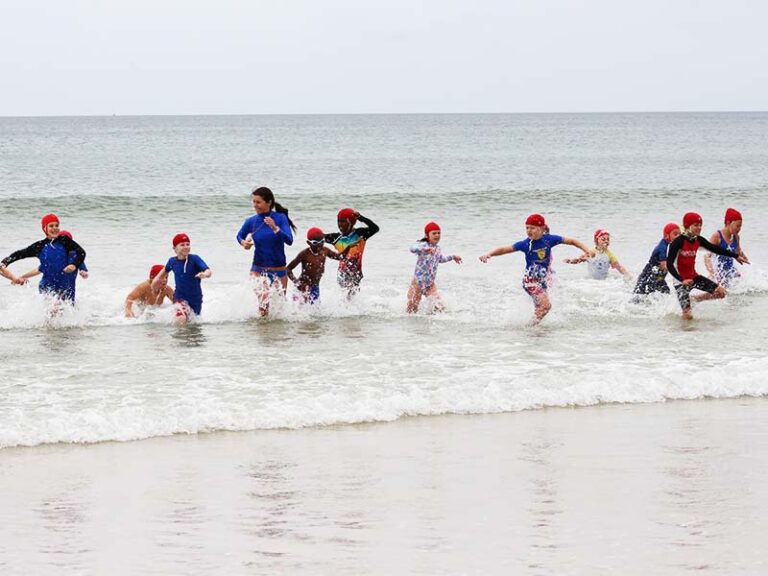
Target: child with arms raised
x: 537, y: 248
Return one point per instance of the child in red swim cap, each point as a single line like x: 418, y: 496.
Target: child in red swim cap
x: 351, y: 242
x: 537, y: 248
x: 147, y: 296
x: 721, y: 268
x: 653, y: 278
x: 603, y: 260
x: 429, y: 256
x: 681, y: 262
x: 59, y: 256
x: 69, y: 280
x: 188, y: 270
x: 312, y: 260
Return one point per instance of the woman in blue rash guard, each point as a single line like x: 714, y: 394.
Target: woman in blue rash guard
x: 268, y: 232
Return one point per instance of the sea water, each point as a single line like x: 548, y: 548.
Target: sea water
x: 123, y: 186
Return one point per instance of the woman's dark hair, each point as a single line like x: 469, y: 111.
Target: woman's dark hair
x: 266, y: 194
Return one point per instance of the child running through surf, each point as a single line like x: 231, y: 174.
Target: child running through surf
x: 351, y: 242
x: 429, y: 257
x: 188, y: 270
x: 603, y: 259
x: 723, y: 271
x: 69, y: 280
x: 312, y: 260
x: 653, y: 278
x: 537, y: 248
x: 59, y: 256
x: 145, y: 295
x: 681, y: 262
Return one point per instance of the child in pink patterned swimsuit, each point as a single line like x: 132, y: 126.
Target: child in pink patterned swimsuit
x: 429, y: 257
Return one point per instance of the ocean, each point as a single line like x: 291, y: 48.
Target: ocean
x: 125, y: 185
x: 309, y: 442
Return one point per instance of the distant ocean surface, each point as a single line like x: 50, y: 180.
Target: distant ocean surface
x: 125, y: 185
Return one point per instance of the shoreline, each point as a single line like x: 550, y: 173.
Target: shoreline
x: 629, y: 488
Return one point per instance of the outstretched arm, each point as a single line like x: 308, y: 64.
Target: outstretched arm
x: 497, y: 252
x: 30, y: 274
x: 422, y: 248
x: 577, y: 260
x: 740, y: 258
x: 31, y: 251
x: 5, y: 273
x: 579, y: 244
x: 616, y: 265
x: 333, y: 254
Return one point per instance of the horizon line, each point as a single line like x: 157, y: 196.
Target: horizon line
x: 235, y: 114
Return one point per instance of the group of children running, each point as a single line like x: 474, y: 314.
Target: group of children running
x: 270, y: 230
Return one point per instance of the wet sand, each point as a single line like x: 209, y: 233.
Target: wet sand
x: 618, y: 489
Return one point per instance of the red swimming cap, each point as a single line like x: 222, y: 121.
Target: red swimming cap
x: 600, y: 232
x: 691, y: 218
x: 315, y: 234
x: 347, y: 214
x: 155, y: 270
x: 179, y: 238
x: 47, y: 219
x: 535, y: 220
x: 66, y: 233
x: 430, y: 227
x: 669, y: 228
x: 732, y: 214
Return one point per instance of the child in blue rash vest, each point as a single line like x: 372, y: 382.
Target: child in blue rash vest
x: 268, y: 232
x: 188, y: 269
x: 312, y: 260
x: 429, y: 257
x: 599, y: 264
x: 721, y: 268
x: 537, y: 249
x: 69, y: 279
x: 653, y: 278
x: 56, y: 265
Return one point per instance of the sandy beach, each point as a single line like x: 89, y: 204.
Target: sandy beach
x: 618, y: 489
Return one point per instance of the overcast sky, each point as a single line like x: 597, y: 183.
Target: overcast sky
x: 71, y: 57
